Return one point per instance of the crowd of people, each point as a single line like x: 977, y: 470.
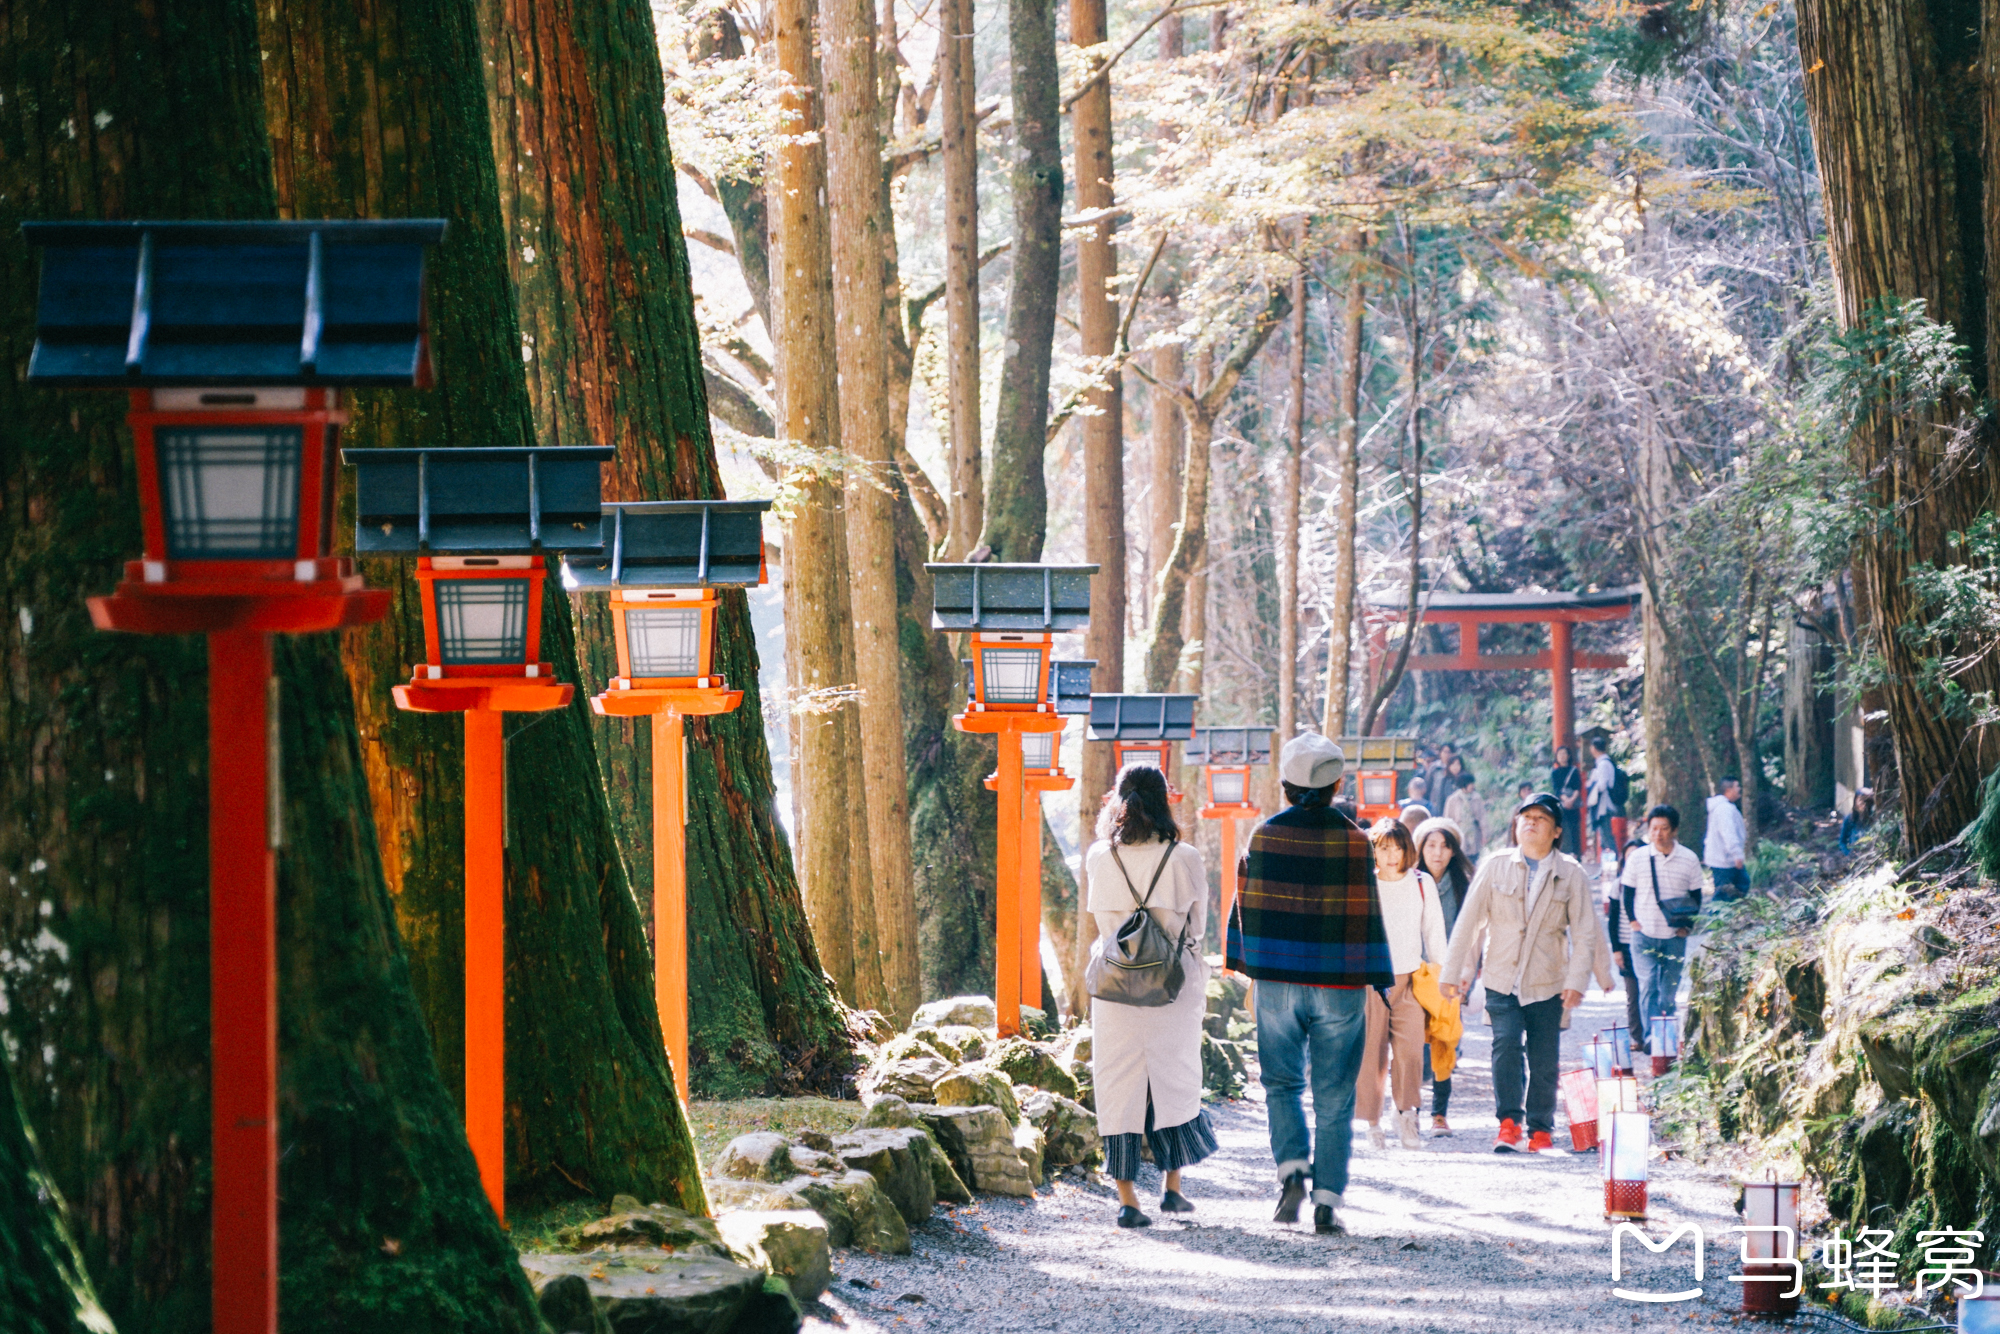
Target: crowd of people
x: 1364, y: 945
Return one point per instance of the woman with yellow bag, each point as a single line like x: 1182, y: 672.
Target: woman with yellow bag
x: 1440, y: 851
x: 1413, y: 920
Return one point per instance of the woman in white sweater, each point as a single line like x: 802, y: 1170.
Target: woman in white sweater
x: 1414, y: 921
x: 1146, y: 1062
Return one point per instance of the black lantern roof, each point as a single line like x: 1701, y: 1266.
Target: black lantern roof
x: 1010, y: 597
x: 488, y: 501
x: 140, y: 304
x: 675, y: 544
x: 1142, y: 717
x: 1069, y: 685
x: 1228, y: 745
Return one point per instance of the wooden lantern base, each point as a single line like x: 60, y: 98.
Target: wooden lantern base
x: 1662, y: 1064
x: 1583, y: 1136
x: 1625, y: 1199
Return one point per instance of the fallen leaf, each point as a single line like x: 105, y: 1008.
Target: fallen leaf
x: 1906, y: 914
x: 1817, y: 66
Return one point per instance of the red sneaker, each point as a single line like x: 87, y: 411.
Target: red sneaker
x: 1509, y: 1138
x: 1540, y: 1142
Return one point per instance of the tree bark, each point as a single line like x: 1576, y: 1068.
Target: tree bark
x: 1291, y: 482
x: 1897, y: 130
x: 383, y: 115
x: 961, y: 231
x: 1166, y: 441
x: 1346, y: 504
x: 104, y: 796
x: 1017, y: 501
x: 1808, y: 718
x: 605, y: 295
x: 717, y: 37
x: 1414, y: 480
x: 855, y: 197
x: 819, y: 629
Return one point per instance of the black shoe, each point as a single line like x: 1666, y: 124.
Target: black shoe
x: 1128, y: 1216
x: 1325, y: 1222
x: 1290, y: 1197
x: 1173, y: 1202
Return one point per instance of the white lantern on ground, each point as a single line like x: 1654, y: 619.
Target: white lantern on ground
x: 1628, y: 1143
x: 1617, y: 1094
x: 1664, y: 1034
x: 1579, y: 1090
x: 1772, y: 1278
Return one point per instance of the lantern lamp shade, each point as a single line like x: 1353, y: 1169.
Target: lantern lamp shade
x: 1142, y: 717
x: 1378, y: 789
x: 1227, y: 787
x: 230, y: 492
x: 1598, y: 1052
x: 1012, y: 674
x: 1038, y: 750
x: 1628, y: 1143
x: 1620, y: 1038
x: 1229, y: 745
x: 674, y: 544
x: 1979, y: 1315
x: 1770, y: 1204
x: 482, y: 621
x: 147, y: 304
x: 1664, y: 1033
x: 491, y: 501
x: 664, y: 641
x: 1010, y: 597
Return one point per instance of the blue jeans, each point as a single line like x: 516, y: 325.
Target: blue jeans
x: 1527, y: 1036
x: 1329, y: 1022
x: 1658, y: 962
x: 1731, y: 882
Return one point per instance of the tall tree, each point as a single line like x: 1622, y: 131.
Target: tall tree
x: 154, y: 110
x: 961, y: 283
x: 607, y: 305
x: 1346, y: 506
x: 1907, y: 159
x: 856, y: 196
x: 1291, y: 482
x: 383, y: 114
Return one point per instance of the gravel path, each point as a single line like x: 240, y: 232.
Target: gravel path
x: 1451, y: 1237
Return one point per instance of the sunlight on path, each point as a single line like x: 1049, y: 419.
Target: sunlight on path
x: 1451, y: 1237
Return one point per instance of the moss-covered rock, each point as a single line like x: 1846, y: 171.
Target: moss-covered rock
x: 1034, y: 1064
x: 978, y: 1086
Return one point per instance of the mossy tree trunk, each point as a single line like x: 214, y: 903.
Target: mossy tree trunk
x: 381, y: 113
x: 607, y: 307
x: 153, y: 110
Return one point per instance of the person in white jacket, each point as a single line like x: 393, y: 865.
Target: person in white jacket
x: 1413, y: 918
x: 1722, y: 847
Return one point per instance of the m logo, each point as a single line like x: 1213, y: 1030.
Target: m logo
x: 1657, y: 1248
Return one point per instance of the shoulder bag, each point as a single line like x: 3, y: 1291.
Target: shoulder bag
x: 1685, y: 907
x: 1140, y: 965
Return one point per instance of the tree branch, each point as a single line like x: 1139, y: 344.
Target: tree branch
x: 1104, y: 71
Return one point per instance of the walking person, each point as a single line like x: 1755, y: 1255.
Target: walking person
x: 1618, y: 929
x: 1308, y: 929
x: 1530, y: 909
x: 1467, y: 809
x: 1566, y: 781
x: 1146, y: 1060
x: 1394, y: 1046
x: 1661, y: 890
x: 1603, y: 795
x: 1440, y: 853
x: 1722, y: 847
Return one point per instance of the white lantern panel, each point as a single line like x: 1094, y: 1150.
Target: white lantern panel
x: 1038, y: 750
x: 1629, y: 1145
x: 482, y: 621
x: 1770, y: 1204
x: 1013, y: 675
x: 1979, y: 1315
x: 230, y: 493
x: 1227, y: 787
x: 1665, y: 1035
x: 1378, y: 790
x: 664, y: 641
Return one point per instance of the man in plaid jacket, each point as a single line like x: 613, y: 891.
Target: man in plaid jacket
x: 1308, y: 928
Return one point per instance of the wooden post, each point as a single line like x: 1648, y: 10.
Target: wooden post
x: 1031, y: 900
x: 243, y: 983
x: 1228, y: 873
x: 1564, y: 655
x: 486, y: 952
x: 670, y: 953
x: 1007, y: 889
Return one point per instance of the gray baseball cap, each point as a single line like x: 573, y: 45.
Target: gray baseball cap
x: 1310, y: 760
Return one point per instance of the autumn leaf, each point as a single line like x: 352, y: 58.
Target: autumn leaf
x: 1817, y: 66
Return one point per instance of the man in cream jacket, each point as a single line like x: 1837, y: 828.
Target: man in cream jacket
x: 1531, y: 912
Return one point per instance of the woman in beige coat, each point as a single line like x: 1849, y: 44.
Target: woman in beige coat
x: 1146, y: 1061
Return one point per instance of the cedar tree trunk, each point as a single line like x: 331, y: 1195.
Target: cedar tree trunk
x: 1290, y: 483
x: 961, y: 282
x: 1346, y: 508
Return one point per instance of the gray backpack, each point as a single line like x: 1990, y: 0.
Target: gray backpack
x: 1140, y: 965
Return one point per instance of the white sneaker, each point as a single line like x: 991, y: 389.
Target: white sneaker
x: 1406, y: 1127
x: 1376, y: 1139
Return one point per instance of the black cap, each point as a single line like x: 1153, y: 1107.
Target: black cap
x: 1546, y: 801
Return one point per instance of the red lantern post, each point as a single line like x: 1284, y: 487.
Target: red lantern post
x: 234, y: 340
x: 497, y: 511
x: 662, y: 561
x: 1226, y: 756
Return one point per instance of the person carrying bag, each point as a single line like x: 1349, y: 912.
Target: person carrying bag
x: 1662, y: 899
x: 1139, y: 965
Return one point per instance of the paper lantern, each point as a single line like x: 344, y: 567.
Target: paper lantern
x: 1628, y: 1142
x: 1979, y: 1315
x: 1664, y: 1033
x: 1620, y: 1093
x: 1597, y: 1053
x: 1620, y: 1038
x: 1579, y: 1090
x: 1771, y: 1275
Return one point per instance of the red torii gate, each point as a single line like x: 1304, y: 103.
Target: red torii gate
x: 1561, y: 612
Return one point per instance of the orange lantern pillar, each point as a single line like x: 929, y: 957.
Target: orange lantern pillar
x: 1041, y: 771
x: 233, y: 437
x: 1226, y: 756
x: 662, y: 562
x: 497, y: 511
x: 1013, y: 613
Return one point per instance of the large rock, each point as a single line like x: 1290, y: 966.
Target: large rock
x: 972, y: 1011
x: 1028, y: 1144
x: 900, y: 1162
x: 632, y: 1224
x: 856, y: 1211
x: 656, y: 1291
x: 1035, y: 1064
x: 945, y: 1180
x: 762, y: 1156
x: 727, y: 1193
x: 791, y: 1243
x: 1073, y: 1052
x: 566, y: 1304
x: 980, y: 1143
x: 889, y: 1112
x: 958, y: 1042
x: 978, y: 1086
x: 1223, y: 1069
x: 1069, y: 1130
x: 909, y: 1079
